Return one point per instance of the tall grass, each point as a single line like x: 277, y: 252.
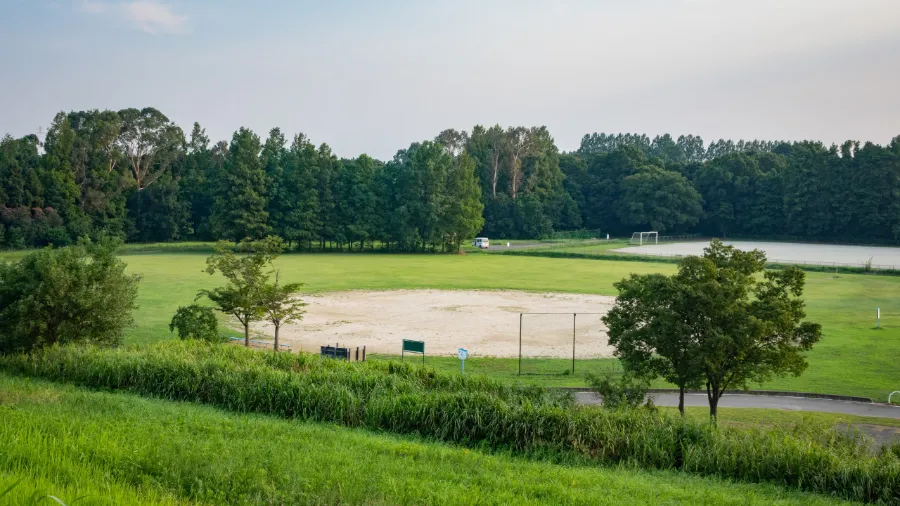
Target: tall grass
x: 107, y: 448
x: 472, y: 411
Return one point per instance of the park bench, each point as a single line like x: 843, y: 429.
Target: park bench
x: 260, y: 343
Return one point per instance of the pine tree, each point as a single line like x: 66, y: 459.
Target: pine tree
x: 239, y: 209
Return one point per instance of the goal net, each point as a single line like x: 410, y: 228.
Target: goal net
x: 550, y: 343
x: 642, y: 238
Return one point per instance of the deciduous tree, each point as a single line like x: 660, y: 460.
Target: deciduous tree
x: 245, y: 268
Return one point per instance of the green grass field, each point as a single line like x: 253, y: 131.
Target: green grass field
x: 853, y: 358
x: 105, y: 447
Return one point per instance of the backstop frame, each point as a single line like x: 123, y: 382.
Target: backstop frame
x: 574, y: 323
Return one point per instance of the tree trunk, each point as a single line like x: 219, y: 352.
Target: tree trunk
x: 247, y: 334
x: 515, y: 177
x: 276, y: 336
x: 681, y: 399
x: 713, y: 395
x: 496, y: 167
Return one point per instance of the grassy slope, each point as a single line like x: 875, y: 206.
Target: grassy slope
x: 852, y: 359
x: 70, y: 442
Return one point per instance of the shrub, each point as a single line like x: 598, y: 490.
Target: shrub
x: 76, y: 293
x: 619, y: 390
x: 195, y: 322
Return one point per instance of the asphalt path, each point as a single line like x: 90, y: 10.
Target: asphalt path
x: 767, y: 402
x: 499, y: 246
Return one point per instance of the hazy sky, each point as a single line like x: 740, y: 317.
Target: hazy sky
x: 373, y: 76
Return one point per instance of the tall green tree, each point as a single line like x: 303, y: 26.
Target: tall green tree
x: 239, y: 209
x: 197, y: 185
x: 356, y: 202
x: 660, y: 200
x: 650, y: 336
x: 463, y: 213
x: 61, y: 192
x: 295, y: 205
x: 747, y: 328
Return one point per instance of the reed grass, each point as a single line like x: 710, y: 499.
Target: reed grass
x: 118, y: 448
x: 476, y: 412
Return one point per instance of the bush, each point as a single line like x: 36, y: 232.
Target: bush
x: 196, y: 322
x: 620, y: 390
x: 469, y: 410
x: 76, y: 293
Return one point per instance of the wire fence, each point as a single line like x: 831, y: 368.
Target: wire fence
x: 777, y: 261
x: 679, y: 238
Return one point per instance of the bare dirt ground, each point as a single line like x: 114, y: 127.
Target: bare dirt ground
x: 484, y: 322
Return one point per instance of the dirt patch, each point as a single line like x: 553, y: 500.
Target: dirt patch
x: 484, y: 322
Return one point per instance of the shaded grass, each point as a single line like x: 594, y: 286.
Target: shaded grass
x: 67, y: 439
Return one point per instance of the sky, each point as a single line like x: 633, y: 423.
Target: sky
x: 374, y: 76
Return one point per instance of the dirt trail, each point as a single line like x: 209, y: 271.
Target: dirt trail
x: 484, y: 322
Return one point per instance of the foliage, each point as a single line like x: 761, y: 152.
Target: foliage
x: 747, y: 329
x: 280, y: 304
x: 660, y: 200
x: 714, y: 322
x: 470, y: 411
x: 619, y: 390
x: 239, y: 205
x: 132, y: 174
x: 56, y: 296
x: 650, y: 334
x: 195, y: 322
x: 244, y: 266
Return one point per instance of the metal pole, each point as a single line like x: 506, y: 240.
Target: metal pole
x: 574, y: 315
x: 520, y: 344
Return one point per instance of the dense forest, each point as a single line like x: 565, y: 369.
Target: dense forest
x: 136, y: 175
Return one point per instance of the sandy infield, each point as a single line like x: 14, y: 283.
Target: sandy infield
x: 484, y: 322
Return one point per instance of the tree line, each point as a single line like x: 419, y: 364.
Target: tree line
x: 135, y: 175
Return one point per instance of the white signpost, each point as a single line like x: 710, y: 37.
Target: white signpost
x: 877, y: 317
x: 463, y: 354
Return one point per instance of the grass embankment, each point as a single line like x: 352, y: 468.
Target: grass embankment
x: 853, y: 358
x: 72, y: 442
x: 476, y: 412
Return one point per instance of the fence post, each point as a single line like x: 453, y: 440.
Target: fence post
x: 520, y: 344
x: 574, y: 316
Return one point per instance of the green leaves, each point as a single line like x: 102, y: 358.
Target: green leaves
x: 713, y: 322
x: 239, y: 209
x: 249, y: 296
x: 77, y: 293
x: 661, y: 199
x: 195, y: 322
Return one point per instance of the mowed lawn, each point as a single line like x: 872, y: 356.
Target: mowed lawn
x: 105, y: 448
x: 853, y: 358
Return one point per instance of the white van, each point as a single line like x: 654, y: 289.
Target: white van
x: 481, y: 242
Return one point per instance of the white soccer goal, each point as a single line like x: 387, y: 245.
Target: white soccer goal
x: 642, y: 238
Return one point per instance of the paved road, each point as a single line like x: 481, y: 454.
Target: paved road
x: 766, y: 401
x: 499, y: 246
